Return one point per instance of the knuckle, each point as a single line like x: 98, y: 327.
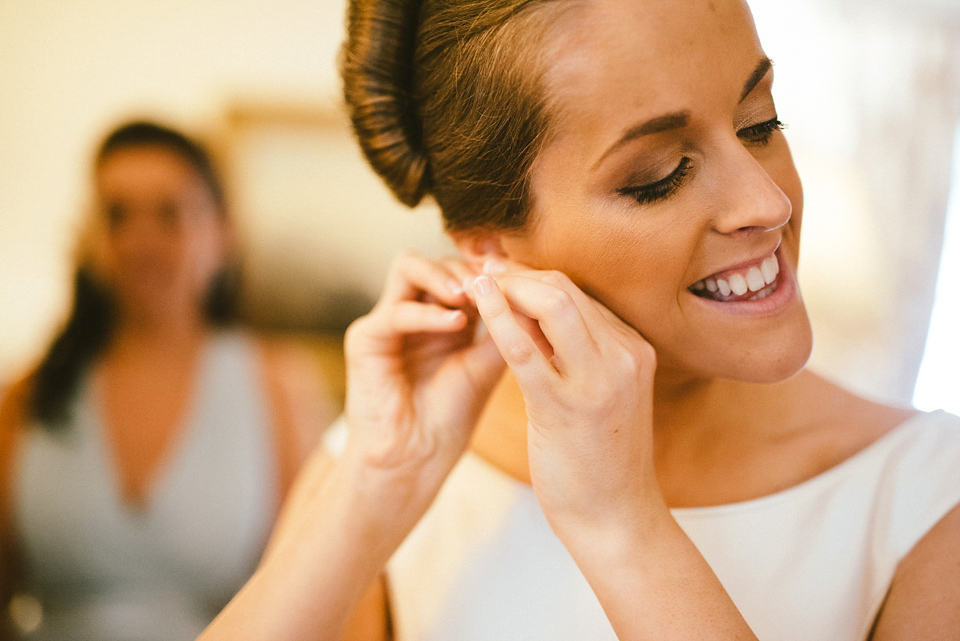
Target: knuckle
x: 355, y: 327
x: 556, y: 278
x: 404, y: 261
x: 646, y: 354
x: 638, y: 359
x: 519, y: 353
x: 557, y: 302
x: 353, y: 333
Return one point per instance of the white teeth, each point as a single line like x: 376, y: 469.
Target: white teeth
x: 755, y: 279
x: 738, y: 284
x: 770, y: 268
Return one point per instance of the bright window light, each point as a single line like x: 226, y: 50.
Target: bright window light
x: 938, y: 385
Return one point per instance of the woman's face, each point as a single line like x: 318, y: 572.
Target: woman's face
x: 161, y: 236
x: 667, y: 178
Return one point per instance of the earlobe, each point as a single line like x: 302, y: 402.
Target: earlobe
x: 478, y: 246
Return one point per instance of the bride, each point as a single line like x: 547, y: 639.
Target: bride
x: 629, y: 446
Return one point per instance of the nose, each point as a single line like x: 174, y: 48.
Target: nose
x: 752, y: 201
x: 140, y: 235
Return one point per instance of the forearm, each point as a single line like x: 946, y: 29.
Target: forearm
x: 653, y: 583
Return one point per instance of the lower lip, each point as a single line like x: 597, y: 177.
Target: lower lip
x: 772, y: 304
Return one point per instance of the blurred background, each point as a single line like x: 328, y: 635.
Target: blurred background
x: 870, y: 91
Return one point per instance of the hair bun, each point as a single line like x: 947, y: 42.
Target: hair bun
x: 377, y: 70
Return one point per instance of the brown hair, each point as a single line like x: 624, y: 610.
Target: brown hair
x: 447, y: 98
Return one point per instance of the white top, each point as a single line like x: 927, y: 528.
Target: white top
x: 107, y: 571
x: 810, y: 563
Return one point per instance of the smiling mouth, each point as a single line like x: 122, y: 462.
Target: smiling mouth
x: 753, y: 282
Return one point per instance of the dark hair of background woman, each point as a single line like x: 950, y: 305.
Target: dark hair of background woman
x: 91, y: 321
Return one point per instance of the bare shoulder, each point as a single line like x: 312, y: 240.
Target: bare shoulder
x: 924, y: 597
x: 302, y: 403
x: 13, y: 420
x: 923, y: 601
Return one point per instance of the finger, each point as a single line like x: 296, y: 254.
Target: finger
x: 408, y: 317
x: 527, y: 362
x: 559, y: 317
x: 412, y: 276
x: 593, y: 311
x: 463, y: 271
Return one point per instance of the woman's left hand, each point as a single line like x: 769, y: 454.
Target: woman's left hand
x: 587, y: 382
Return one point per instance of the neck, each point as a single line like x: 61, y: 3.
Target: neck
x: 689, y: 414
x: 170, y: 331
x: 701, y: 414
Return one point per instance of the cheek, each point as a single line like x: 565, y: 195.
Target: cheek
x: 629, y: 264
x: 205, y: 254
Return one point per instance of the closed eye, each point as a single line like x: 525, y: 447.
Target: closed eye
x: 661, y: 189
x: 761, y: 133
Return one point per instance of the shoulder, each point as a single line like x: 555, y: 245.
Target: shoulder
x: 14, y: 410
x: 299, y: 400
x: 924, y: 597
x: 912, y: 457
x: 835, y: 423
x: 14, y: 415
x: 297, y: 377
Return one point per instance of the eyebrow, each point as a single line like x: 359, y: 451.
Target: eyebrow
x: 762, y: 68
x: 679, y: 119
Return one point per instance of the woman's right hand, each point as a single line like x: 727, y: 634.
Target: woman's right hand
x: 417, y: 378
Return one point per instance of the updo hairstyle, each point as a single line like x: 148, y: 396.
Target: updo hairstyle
x: 446, y: 98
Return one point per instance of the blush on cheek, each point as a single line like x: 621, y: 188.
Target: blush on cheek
x: 618, y: 266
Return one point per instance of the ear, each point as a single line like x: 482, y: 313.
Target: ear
x: 479, y: 245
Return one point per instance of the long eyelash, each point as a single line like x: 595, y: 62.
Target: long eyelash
x: 663, y: 188
x: 762, y: 133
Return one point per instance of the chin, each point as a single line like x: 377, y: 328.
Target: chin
x: 775, y: 364
x: 767, y: 360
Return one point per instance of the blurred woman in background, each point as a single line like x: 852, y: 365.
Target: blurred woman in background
x: 144, y: 459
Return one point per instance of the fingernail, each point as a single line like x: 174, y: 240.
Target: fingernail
x: 483, y: 285
x: 453, y: 316
x: 455, y: 288
x: 494, y: 266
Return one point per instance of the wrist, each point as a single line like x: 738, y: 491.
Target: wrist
x: 618, y: 537
x: 385, y: 501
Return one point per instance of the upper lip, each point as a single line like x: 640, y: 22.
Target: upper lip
x: 741, y: 265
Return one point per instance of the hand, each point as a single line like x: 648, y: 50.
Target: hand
x: 587, y: 381
x: 417, y: 378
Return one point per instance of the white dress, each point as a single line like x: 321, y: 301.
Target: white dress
x: 810, y: 563
x: 106, y: 571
